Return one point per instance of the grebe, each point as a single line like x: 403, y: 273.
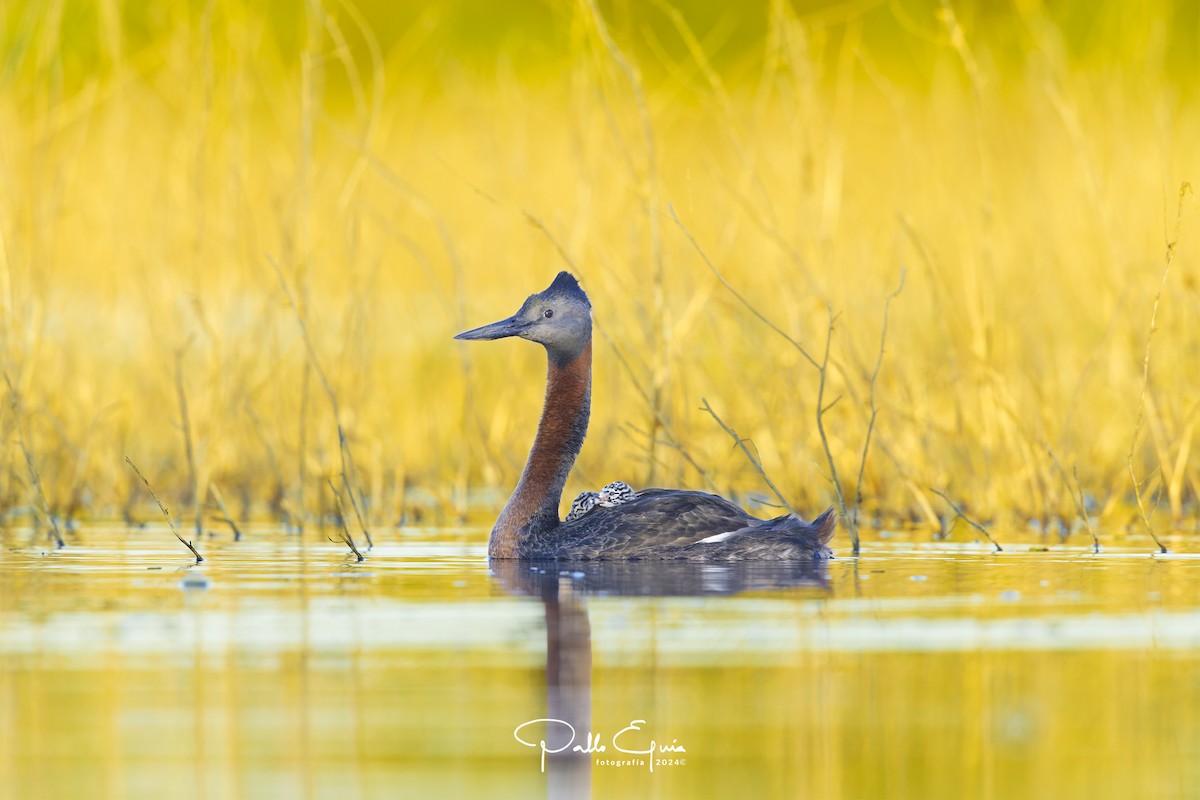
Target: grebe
x: 657, y: 523
x: 614, y: 494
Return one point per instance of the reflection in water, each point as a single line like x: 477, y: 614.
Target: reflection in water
x: 568, y: 693
x: 657, y: 578
x: 913, y: 671
x: 562, y: 587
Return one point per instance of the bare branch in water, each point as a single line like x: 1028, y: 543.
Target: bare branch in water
x: 166, y: 513
x: 862, y: 464
x: 357, y: 512
x: 1184, y: 189
x: 346, y: 537
x: 15, y: 401
x: 277, y: 504
x: 302, y: 447
x: 756, y: 463
x: 962, y: 515
x: 1076, y: 492
x: 186, y: 424
x: 1083, y: 511
x: 823, y: 372
x: 343, y: 444
x: 216, y: 493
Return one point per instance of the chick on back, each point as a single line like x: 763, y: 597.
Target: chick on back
x: 616, y: 493
x: 582, y: 504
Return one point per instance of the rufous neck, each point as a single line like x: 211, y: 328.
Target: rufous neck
x: 533, y: 507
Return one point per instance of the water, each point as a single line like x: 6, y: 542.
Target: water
x: 281, y: 669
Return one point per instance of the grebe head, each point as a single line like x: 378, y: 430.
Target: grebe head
x: 615, y: 493
x: 559, y: 319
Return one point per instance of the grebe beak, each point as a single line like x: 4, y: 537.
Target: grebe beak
x: 497, y: 330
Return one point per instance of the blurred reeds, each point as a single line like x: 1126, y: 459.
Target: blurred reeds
x: 1020, y: 164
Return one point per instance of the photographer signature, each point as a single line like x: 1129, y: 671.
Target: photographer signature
x: 620, y: 741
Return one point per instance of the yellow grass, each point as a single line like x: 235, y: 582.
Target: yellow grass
x: 1022, y: 165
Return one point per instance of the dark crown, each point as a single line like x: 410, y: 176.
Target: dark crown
x: 565, y: 283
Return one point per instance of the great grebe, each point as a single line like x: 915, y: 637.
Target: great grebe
x: 654, y: 524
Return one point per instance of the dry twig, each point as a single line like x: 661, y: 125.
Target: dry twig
x: 823, y: 371
x: 15, y: 401
x: 1076, y: 492
x: 166, y: 513
x: 216, y: 493
x: 821, y: 366
x: 186, y: 425
x: 273, y: 463
x: 749, y: 306
x: 756, y: 463
x: 1184, y: 189
x: 962, y: 515
x: 346, y: 537
x: 862, y: 464
x: 343, y: 444
x: 650, y: 190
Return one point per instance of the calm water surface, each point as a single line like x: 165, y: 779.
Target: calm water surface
x: 280, y: 669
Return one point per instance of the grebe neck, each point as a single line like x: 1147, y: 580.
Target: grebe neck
x: 533, y: 507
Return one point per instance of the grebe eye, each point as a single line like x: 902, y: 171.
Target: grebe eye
x: 548, y: 313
